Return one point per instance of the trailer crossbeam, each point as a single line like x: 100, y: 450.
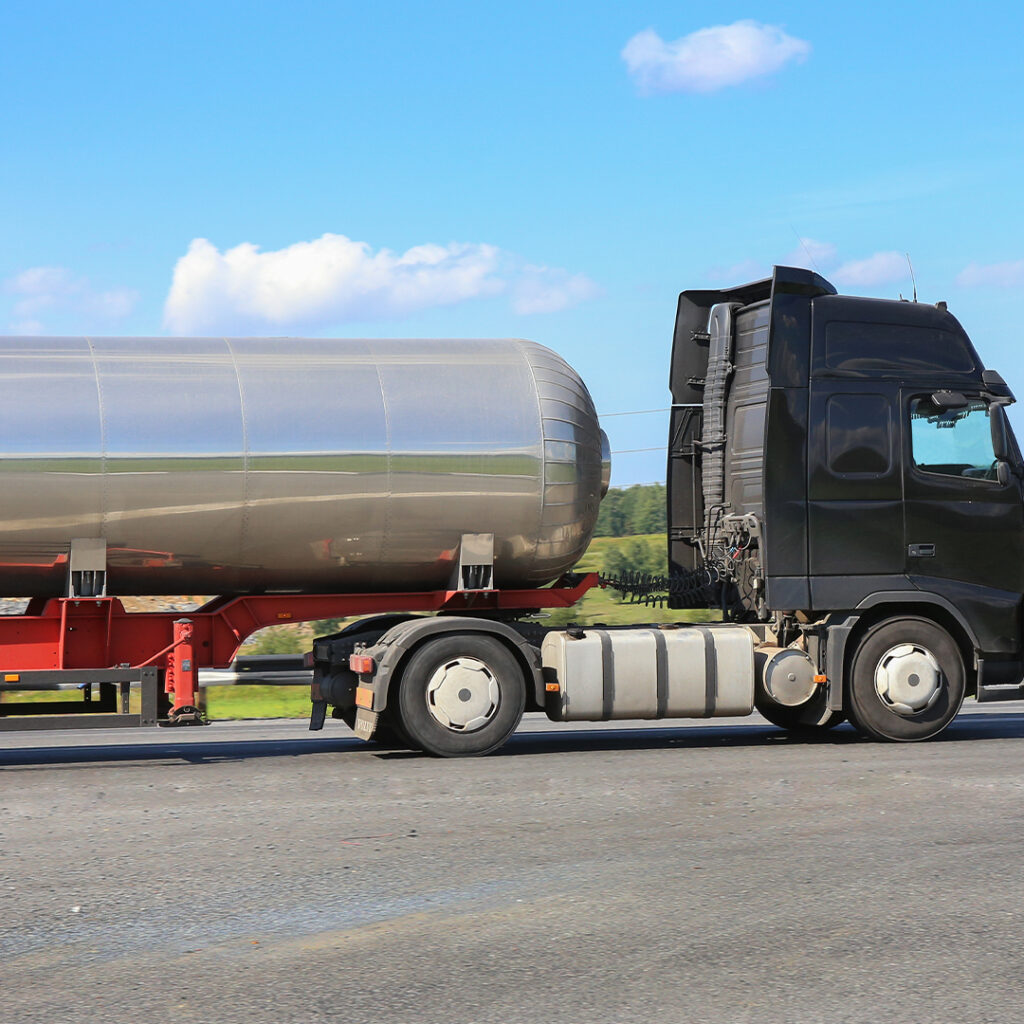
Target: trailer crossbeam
x: 79, y: 635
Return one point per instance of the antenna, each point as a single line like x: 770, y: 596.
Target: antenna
x: 803, y: 245
x: 912, y: 278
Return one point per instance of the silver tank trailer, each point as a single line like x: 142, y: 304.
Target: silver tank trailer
x: 224, y: 465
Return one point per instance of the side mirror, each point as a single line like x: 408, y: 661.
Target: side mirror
x: 1003, y: 472
x: 1000, y: 442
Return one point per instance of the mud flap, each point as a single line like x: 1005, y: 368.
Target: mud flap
x: 366, y: 723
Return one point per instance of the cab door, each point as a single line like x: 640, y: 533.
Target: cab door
x: 854, y: 489
x: 964, y: 521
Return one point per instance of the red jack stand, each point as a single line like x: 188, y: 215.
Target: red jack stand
x: 180, y: 677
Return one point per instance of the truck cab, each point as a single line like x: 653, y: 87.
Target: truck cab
x: 836, y: 463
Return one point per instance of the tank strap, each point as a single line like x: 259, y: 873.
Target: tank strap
x: 710, y: 671
x: 607, y: 675
x: 661, y: 670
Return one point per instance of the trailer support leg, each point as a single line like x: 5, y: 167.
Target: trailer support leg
x: 181, y: 677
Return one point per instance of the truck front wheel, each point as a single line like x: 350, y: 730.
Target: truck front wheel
x: 461, y: 695
x: 906, y: 680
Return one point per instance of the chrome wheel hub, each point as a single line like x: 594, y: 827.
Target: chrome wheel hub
x: 462, y: 694
x: 908, y: 679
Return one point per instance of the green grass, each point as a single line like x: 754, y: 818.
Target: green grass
x: 38, y: 696
x: 602, y: 606
x: 257, y: 702
x: 8, y: 697
x: 222, y: 702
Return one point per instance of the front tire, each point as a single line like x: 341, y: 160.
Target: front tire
x: 460, y: 696
x: 906, y: 681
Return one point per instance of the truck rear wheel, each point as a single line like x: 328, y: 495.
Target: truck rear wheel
x: 906, y: 681
x: 460, y: 696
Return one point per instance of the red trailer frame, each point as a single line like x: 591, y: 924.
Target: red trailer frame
x: 86, y: 636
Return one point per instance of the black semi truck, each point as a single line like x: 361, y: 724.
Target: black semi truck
x: 843, y: 488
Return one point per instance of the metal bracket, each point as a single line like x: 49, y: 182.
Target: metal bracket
x: 476, y: 562
x: 87, y: 567
x: 110, y: 710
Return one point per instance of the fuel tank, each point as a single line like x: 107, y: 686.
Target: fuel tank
x: 213, y: 466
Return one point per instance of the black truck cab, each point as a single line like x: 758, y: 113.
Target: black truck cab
x: 839, y: 462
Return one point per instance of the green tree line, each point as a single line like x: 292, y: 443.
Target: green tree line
x: 627, y: 511
x: 636, y: 554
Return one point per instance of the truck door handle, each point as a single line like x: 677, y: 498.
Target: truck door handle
x: 922, y: 550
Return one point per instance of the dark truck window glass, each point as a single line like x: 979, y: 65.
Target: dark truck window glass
x: 953, y: 442
x: 858, y: 435
x: 894, y: 347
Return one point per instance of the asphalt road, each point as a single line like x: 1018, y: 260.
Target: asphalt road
x: 695, y: 872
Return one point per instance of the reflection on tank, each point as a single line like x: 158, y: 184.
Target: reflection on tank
x: 218, y: 465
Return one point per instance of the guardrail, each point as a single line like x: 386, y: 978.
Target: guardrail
x: 259, y: 669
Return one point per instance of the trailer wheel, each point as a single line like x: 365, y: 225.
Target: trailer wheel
x: 461, y: 696
x: 906, y: 681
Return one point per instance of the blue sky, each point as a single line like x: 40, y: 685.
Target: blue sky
x: 468, y: 170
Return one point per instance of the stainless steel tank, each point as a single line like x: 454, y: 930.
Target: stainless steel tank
x: 221, y: 465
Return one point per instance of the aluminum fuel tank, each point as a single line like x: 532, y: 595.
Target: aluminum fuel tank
x: 223, y: 465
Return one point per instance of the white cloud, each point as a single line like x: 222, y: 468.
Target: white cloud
x: 811, y: 255
x: 334, y: 279
x: 26, y: 327
x: 992, y: 275
x: 548, y: 290
x: 41, y: 291
x: 881, y: 268
x: 745, y: 270
x: 710, y: 58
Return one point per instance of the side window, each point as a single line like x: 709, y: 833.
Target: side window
x: 858, y: 435
x: 899, y: 348
x: 952, y: 442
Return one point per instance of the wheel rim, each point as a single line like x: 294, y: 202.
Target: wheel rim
x: 908, y: 679
x: 463, y: 694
